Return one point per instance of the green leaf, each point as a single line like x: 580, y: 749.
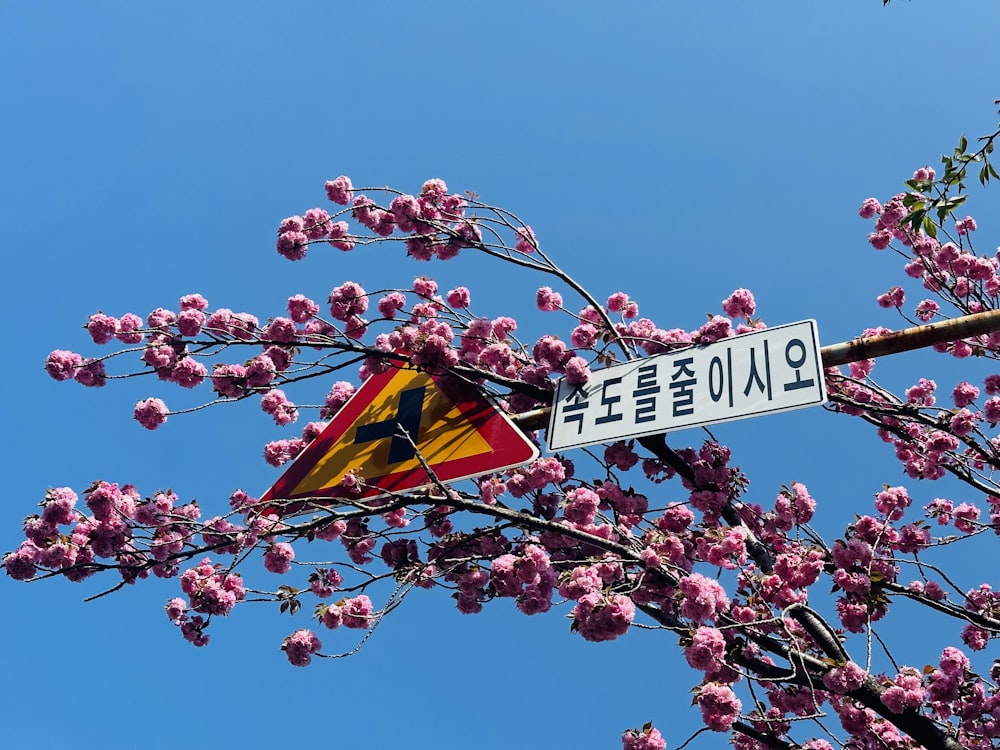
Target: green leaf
x: 963, y: 144
x: 930, y: 227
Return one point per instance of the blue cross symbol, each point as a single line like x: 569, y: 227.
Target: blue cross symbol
x: 406, y: 422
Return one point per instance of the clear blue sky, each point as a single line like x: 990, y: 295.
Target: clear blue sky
x: 674, y: 151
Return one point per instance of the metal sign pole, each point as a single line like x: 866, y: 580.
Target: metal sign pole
x: 908, y: 339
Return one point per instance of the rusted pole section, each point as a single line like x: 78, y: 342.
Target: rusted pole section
x: 911, y: 338
x: 857, y: 349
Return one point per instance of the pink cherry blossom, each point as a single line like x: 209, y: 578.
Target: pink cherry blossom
x: 314, y: 223
x: 62, y: 364
x: 547, y: 300
x: 526, y: 242
x: 260, y: 371
x: 129, y: 329
x: 880, y: 239
x: 459, y: 298
x: 151, y: 413
x: 869, y: 208
x: 193, y: 631
x: 647, y: 738
x: 340, y: 190
x: 739, y: 304
x: 347, y: 300
x: 703, y: 598
x: 719, y: 706
x: 280, y: 329
x: 964, y: 394
x: 715, y: 329
x: 338, y: 236
x: 276, y: 404
x: 193, y: 302
x: 210, y: 590
x: 278, y: 557
x: 292, y: 245
x: 895, y: 297
x: 300, y: 646
x: 600, y: 618
x: 963, y: 422
x: 190, y: 322
x: 337, y: 396
x: 176, y: 609
x: 844, y: 679
x: 966, y: 225
x: 91, y: 373
x: 161, y: 318
x: 357, y: 612
x: 907, y: 692
x: 102, y: 328
x: 577, y: 370
x: 706, y: 649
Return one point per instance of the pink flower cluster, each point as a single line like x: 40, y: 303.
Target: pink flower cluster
x: 278, y: 557
x: 166, y: 338
x: 719, y: 706
x: 300, y: 646
x: 960, y: 277
x: 275, y: 403
x: 603, y: 618
x: 906, y: 692
x: 647, y: 738
x: 527, y: 576
x: 151, y: 413
x: 702, y: 598
x: 355, y: 612
x: 432, y: 223
x: 210, y: 589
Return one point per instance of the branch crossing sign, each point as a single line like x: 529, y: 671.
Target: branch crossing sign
x: 763, y: 372
x: 394, y: 420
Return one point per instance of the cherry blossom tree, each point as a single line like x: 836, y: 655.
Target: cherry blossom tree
x: 664, y: 537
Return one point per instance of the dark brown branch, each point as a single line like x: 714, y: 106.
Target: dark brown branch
x: 657, y: 445
x: 768, y: 740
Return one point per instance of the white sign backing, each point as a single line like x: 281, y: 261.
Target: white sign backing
x: 776, y: 369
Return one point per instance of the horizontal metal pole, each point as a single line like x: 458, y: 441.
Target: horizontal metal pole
x: 911, y: 338
x: 535, y: 419
x: 855, y: 350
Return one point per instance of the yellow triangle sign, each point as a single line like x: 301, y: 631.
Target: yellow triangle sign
x: 394, y: 420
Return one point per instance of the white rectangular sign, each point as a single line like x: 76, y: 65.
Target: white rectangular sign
x: 776, y: 369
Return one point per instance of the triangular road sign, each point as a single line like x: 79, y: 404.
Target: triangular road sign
x: 455, y: 428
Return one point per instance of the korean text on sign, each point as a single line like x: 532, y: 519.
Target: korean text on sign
x: 757, y: 373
